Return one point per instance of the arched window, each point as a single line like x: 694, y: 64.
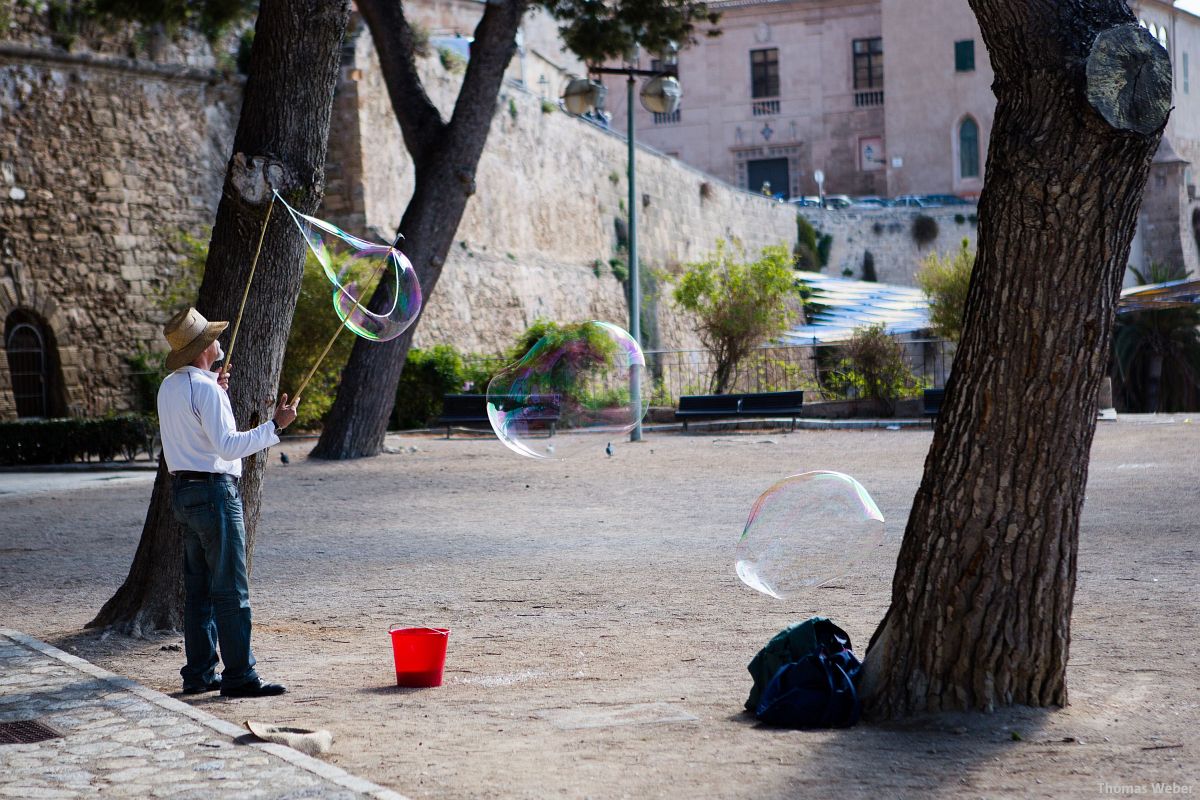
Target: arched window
x: 27, y: 364
x: 968, y: 149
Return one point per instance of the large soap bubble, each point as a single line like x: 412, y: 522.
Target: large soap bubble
x: 358, y: 270
x: 578, y: 388
x: 805, y: 530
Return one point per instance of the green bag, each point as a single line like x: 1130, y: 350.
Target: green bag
x: 789, y: 645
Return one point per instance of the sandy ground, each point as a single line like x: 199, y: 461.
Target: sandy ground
x: 600, y: 635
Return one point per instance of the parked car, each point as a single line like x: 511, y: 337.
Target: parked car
x: 806, y: 202
x: 838, y: 201
x: 871, y: 202
x: 947, y: 200
x: 916, y: 201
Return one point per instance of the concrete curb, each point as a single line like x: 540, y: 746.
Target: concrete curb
x: 328, y: 772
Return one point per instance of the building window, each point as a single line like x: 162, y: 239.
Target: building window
x: 968, y: 149
x: 868, y: 63
x: 964, y: 56
x: 764, y: 73
x: 28, y: 365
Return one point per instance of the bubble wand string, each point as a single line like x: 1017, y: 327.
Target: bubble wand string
x: 338, y: 332
x: 245, y: 294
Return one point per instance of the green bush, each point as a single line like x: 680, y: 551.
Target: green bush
x: 428, y: 374
x: 945, y: 280
x: 873, y: 367
x: 61, y: 441
x: 924, y: 229
x: 812, y: 247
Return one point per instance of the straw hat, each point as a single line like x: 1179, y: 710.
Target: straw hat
x: 189, y: 334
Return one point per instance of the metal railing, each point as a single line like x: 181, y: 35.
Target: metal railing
x: 864, y: 99
x: 818, y: 369
x: 671, y: 118
x: 764, y: 108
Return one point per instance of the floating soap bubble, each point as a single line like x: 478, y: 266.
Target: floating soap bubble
x: 358, y: 270
x: 578, y: 388
x: 805, y: 530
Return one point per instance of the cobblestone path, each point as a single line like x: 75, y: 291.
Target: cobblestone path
x: 121, y: 739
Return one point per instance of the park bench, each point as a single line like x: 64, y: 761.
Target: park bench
x: 932, y: 401
x: 467, y: 409
x: 740, y: 406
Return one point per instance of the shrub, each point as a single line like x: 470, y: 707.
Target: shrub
x: 739, y: 303
x: 924, y: 230
x: 61, y: 441
x: 873, y: 367
x: 548, y: 107
x: 959, y: 219
x: 428, y: 374
x: 452, y: 62
x: 868, y: 267
x: 812, y: 247
x: 945, y: 280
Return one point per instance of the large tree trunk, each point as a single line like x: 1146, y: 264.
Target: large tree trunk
x: 445, y: 157
x: 981, y: 599
x: 281, y: 139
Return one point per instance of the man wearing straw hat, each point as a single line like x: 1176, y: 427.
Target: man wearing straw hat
x: 204, y: 450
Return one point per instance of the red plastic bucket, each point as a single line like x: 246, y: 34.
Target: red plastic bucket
x: 420, y: 655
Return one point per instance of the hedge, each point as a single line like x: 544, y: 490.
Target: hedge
x: 61, y: 441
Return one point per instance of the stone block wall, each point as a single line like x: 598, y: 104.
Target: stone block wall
x: 888, y: 235
x: 103, y: 160
x: 537, y: 237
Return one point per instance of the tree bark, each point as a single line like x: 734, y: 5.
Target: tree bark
x: 984, y: 584
x: 445, y: 155
x: 280, y: 143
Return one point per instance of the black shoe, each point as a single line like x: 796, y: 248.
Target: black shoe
x: 255, y: 688
x: 202, y: 688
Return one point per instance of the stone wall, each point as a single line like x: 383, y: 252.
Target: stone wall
x: 888, y: 235
x: 538, y: 236
x: 103, y: 160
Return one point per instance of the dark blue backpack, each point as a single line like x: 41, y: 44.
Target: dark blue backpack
x: 813, y: 689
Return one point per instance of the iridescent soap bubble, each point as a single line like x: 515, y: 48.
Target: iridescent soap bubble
x: 578, y: 388
x: 806, y: 530
x: 359, y: 270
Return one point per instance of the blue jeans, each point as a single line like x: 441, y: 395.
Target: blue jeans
x: 216, y: 592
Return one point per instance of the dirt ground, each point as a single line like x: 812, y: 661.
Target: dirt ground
x: 600, y: 636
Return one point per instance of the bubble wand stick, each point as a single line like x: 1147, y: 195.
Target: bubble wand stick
x: 338, y: 332
x: 241, y: 309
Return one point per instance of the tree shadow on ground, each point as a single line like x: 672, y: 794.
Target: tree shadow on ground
x: 944, y: 754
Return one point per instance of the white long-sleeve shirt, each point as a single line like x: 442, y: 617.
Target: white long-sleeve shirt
x: 198, y: 431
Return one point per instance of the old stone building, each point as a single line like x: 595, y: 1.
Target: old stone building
x: 105, y: 159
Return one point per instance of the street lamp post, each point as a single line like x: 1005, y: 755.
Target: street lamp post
x: 660, y: 95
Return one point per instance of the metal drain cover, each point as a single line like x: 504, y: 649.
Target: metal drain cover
x: 26, y: 731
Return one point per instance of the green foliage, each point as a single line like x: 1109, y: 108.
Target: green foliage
x: 452, y: 61
x: 182, y: 283
x: 61, y: 441
x: 620, y: 269
x: 614, y: 177
x: 313, y: 325
x: 428, y: 374
x: 599, y: 31
x: 812, y: 247
x: 420, y: 38
x: 945, y: 280
x: 209, y: 17
x: 1157, y: 353
x: 959, y: 219
x: 739, y: 304
x: 548, y: 107
x: 924, y: 229
x: 873, y: 367
x: 512, y: 109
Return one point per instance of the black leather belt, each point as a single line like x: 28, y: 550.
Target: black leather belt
x: 184, y: 475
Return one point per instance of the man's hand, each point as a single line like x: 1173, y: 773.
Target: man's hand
x: 284, y: 414
x: 223, y: 378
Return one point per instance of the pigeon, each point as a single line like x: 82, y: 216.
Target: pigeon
x: 608, y: 449
x: 283, y: 457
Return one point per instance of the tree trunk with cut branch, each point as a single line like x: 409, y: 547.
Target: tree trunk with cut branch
x: 445, y: 156
x: 982, y: 595
x: 280, y: 142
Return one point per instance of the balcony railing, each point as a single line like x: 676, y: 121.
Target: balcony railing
x: 765, y: 108
x: 666, y: 119
x: 864, y: 99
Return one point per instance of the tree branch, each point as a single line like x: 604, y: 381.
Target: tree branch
x: 420, y: 122
x: 495, y: 40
